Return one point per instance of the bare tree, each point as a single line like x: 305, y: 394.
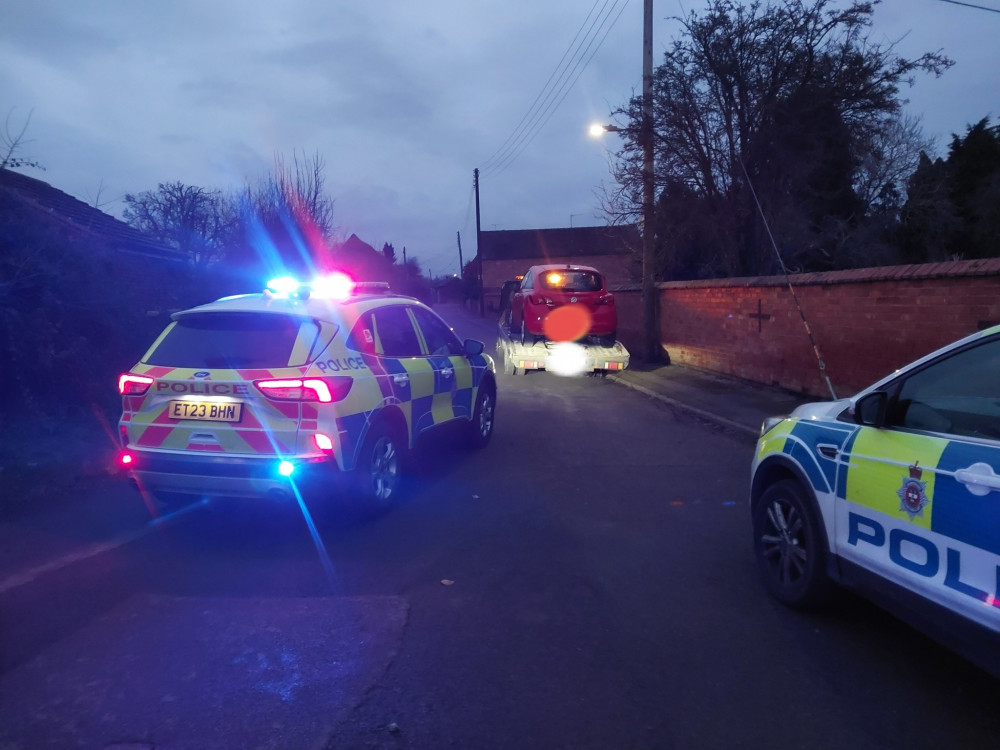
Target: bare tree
x: 11, y: 142
x: 286, y: 216
x: 197, y: 221
x: 888, y: 159
x: 785, y: 99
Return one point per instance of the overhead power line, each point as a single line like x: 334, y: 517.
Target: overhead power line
x: 595, y: 28
x: 970, y: 5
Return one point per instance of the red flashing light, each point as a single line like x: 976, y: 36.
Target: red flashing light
x: 336, y: 286
x: 133, y: 385
x: 126, y: 458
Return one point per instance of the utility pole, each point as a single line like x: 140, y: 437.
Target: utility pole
x: 461, y: 266
x: 650, y: 329
x: 479, y: 245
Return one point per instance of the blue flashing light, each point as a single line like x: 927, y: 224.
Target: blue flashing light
x: 286, y: 468
x: 283, y: 285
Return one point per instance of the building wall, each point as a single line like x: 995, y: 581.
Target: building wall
x: 865, y: 323
x: 615, y: 268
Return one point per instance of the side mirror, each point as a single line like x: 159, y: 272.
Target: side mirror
x: 473, y: 347
x: 870, y: 409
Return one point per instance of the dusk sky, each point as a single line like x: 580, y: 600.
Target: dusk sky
x: 402, y: 100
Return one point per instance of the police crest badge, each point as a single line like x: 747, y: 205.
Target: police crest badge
x: 913, y: 495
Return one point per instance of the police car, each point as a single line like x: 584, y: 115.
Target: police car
x: 896, y: 493
x: 316, y: 388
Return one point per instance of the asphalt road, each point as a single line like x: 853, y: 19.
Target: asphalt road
x: 586, y: 581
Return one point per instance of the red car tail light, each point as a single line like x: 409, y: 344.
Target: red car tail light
x: 133, y: 385
x: 323, y: 390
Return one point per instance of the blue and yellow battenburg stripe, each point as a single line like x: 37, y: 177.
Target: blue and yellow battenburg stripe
x: 872, y: 468
x: 417, y: 386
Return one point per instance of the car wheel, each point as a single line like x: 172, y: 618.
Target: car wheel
x: 481, y: 427
x: 789, y: 546
x: 524, y: 333
x: 608, y: 340
x: 378, y: 467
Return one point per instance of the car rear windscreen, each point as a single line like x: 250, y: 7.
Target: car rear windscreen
x: 231, y: 340
x: 571, y: 281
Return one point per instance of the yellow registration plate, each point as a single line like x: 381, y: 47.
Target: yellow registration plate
x: 209, y: 411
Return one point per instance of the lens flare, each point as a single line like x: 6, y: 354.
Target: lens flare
x: 567, y: 359
x: 567, y: 323
x: 337, y: 286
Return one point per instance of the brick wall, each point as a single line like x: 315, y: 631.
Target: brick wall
x: 865, y: 322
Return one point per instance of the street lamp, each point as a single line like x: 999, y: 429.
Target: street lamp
x: 650, y: 333
x: 597, y: 130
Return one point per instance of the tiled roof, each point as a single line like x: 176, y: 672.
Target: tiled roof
x: 511, y: 244
x: 64, y: 207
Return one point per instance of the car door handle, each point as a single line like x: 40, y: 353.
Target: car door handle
x: 830, y: 451
x: 978, y: 479
x: 400, y: 379
x: 447, y: 372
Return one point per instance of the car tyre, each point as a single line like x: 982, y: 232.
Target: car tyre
x: 789, y: 547
x: 525, y: 336
x: 379, y: 468
x: 481, y: 427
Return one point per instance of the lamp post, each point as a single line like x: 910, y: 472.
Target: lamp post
x: 650, y: 332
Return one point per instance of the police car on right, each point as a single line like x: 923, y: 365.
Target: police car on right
x: 894, y: 493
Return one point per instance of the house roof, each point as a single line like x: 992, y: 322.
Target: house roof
x: 60, y: 206
x: 515, y: 244
x: 362, y: 261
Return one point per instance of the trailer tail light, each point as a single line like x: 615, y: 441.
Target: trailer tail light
x: 322, y: 390
x: 133, y: 385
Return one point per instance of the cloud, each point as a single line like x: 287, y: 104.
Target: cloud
x: 401, y: 99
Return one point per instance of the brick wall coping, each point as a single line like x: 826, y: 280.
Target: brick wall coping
x: 945, y: 269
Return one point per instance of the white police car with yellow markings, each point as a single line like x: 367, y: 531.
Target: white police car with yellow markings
x: 895, y: 493
x: 306, y: 388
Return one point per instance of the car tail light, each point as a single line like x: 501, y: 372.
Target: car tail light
x: 133, y: 385
x: 323, y: 390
